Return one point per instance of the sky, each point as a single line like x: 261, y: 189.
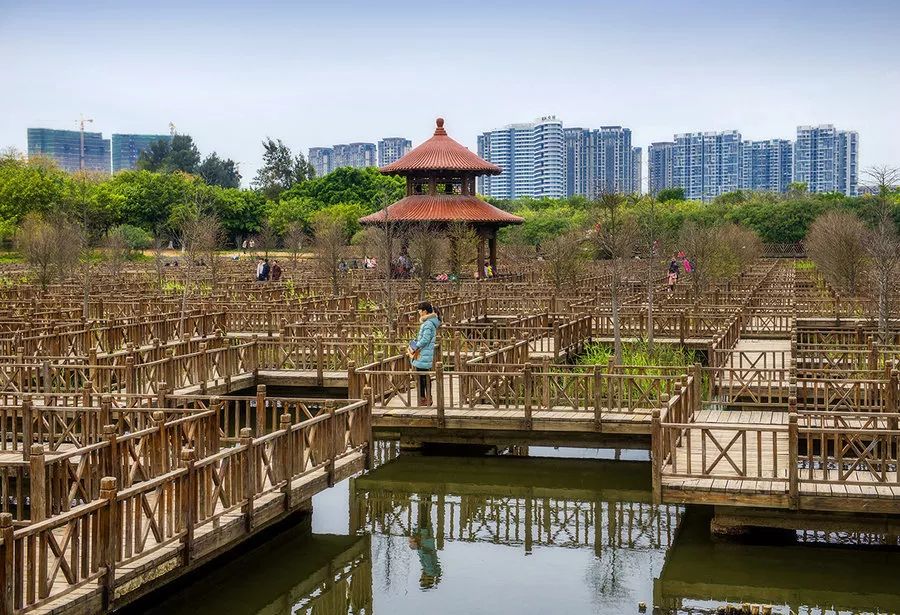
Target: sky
x: 230, y: 73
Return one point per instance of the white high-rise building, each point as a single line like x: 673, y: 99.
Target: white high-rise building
x: 827, y: 159
x: 532, y: 156
x: 392, y: 149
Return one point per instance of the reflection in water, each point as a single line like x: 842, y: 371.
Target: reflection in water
x: 422, y: 540
x: 523, y: 535
x: 700, y: 573
x: 295, y: 573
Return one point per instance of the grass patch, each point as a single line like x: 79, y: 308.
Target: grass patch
x: 639, y: 354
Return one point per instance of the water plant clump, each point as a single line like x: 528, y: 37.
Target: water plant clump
x: 640, y: 354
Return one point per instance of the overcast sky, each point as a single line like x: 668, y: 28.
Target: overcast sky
x: 317, y: 73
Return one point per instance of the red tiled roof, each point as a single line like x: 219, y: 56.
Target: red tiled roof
x: 443, y: 208
x: 440, y: 152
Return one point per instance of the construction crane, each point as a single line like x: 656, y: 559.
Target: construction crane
x: 81, y: 123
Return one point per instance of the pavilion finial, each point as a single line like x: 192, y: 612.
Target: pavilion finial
x: 440, y: 127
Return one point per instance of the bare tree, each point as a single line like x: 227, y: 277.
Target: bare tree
x: 617, y: 237
x: 266, y: 239
x: 884, y: 245
x: 384, y: 238
x: 463, y: 250
x: 837, y: 244
x: 200, y: 235
x: 294, y: 240
x: 115, y: 251
x: 652, y: 249
x: 36, y: 241
x: 426, y: 250
x: 564, y: 259
x: 159, y: 260
x: 330, y: 240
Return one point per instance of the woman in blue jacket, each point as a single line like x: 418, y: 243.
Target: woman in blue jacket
x: 421, y: 349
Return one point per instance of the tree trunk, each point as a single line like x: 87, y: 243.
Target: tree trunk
x: 617, y: 328
x: 650, y: 303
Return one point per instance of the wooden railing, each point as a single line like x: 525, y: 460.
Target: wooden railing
x: 84, y: 546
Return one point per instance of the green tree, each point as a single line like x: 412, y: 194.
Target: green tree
x: 220, y: 172
x: 167, y: 156
x: 281, y: 170
x: 670, y: 194
x: 350, y: 185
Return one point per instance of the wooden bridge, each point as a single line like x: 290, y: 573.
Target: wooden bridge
x: 126, y: 458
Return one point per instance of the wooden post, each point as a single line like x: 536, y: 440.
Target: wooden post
x: 162, y: 449
x: 249, y: 476
x: 545, y: 397
x: 320, y: 360
x: 38, y: 479
x: 352, y: 389
x: 332, y: 441
x: 107, y: 539
x: 188, y: 504
x: 203, y: 368
x: 526, y: 383
x: 7, y: 562
x: 112, y: 453
x: 598, y: 398
x: 656, y: 452
x: 370, y: 441
x: 287, y: 458
x: 260, y: 410
x: 439, y: 397
x: 793, y: 454
x: 682, y: 325
x: 27, y: 427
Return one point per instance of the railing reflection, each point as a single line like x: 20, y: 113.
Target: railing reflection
x: 519, y: 508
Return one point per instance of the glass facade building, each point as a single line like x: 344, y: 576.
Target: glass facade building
x: 599, y: 161
x: 64, y: 148
x: 126, y: 149
x: 637, y: 175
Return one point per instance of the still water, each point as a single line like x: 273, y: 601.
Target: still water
x: 537, y: 534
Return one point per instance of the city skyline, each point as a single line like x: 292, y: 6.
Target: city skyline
x: 804, y: 75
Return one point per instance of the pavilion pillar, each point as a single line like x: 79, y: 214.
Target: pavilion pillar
x: 480, y: 265
x: 492, y: 249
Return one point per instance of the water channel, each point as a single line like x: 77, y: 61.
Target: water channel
x: 535, y: 534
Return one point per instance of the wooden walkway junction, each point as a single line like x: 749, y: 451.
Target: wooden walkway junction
x: 129, y: 454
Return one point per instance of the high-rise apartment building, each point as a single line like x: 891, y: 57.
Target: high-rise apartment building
x: 827, y: 159
x: 392, y: 149
x: 707, y: 164
x: 64, y: 147
x: 357, y: 155
x: 637, y: 174
x: 766, y: 166
x: 321, y: 159
x: 616, y: 170
x: 126, y: 149
x: 532, y: 156
x: 599, y: 161
x: 659, y: 166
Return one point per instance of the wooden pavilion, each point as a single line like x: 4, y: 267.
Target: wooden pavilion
x: 440, y: 189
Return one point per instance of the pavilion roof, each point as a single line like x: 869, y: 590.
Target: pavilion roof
x: 440, y: 153
x: 443, y: 208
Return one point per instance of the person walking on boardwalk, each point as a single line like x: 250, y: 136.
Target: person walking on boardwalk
x: 421, y: 349
x: 276, y: 271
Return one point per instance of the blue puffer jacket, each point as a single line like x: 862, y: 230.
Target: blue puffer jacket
x: 425, y: 342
